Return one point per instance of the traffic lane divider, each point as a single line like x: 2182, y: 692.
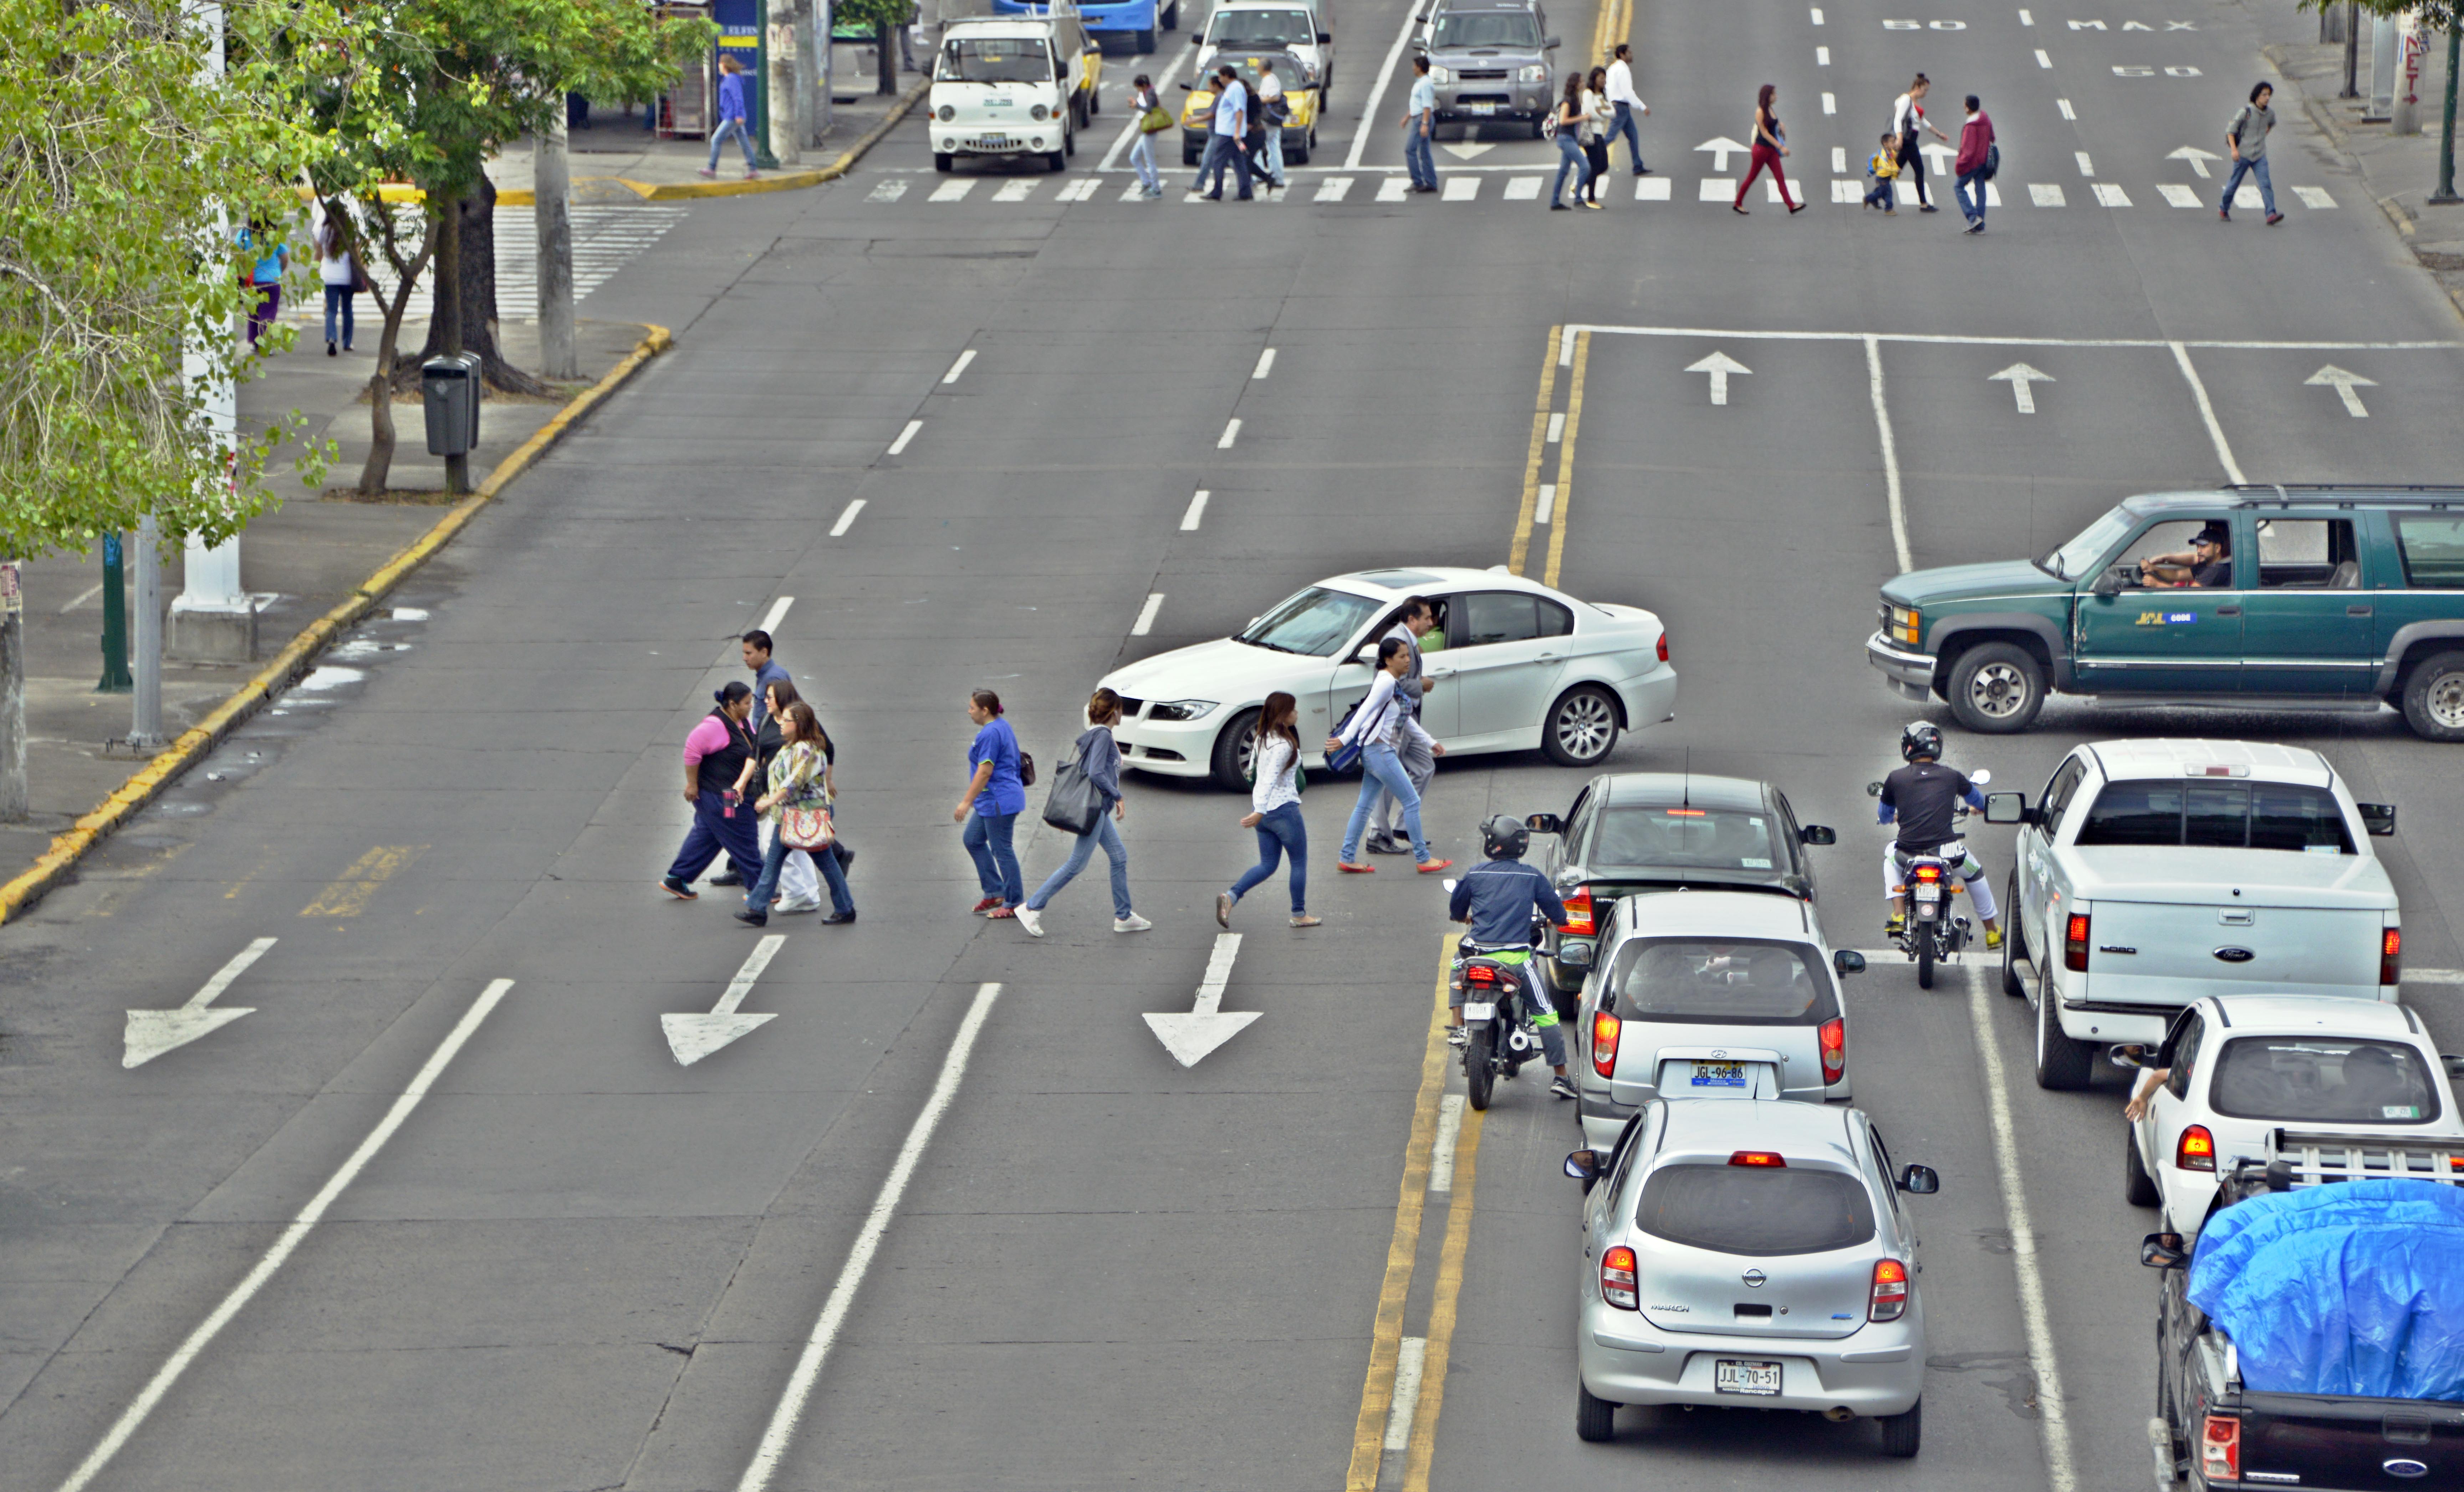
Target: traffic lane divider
x: 67, y: 850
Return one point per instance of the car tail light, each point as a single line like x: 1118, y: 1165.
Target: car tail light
x: 1663, y: 647
x: 2195, y: 1150
x: 2220, y: 1448
x: 1890, y: 1290
x: 2390, y: 955
x: 2074, y: 944
x: 1579, y: 921
x: 1758, y: 1158
x: 1616, y: 1278
x: 1835, y: 1050
x: 1929, y: 874
x: 1604, y: 1043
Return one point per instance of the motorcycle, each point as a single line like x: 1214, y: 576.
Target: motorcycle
x: 1497, y: 1019
x: 1930, y: 932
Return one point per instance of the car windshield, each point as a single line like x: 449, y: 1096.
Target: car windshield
x: 1317, y: 622
x: 1756, y: 1210
x: 1487, y: 29
x: 995, y: 60
x: 2074, y: 559
x: 2218, y: 815
x: 1720, y: 981
x: 1690, y: 839
x: 1239, y: 30
x: 2323, y: 1080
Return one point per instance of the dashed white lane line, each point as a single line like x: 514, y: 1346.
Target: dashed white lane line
x: 1196, y: 511
x: 1545, y: 505
x: 1822, y: 56
x: 2086, y: 163
x: 1829, y: 103
x: 1441, y: 1156
x: 905, y: 436
x: 2025, y: 20
x: 1817, y: 15
x: 286, y: 1244
x: 2043, y: 60
x: 776, y: 613
x: 847, y: 520
x: 1839, y: 154
x: 790, y: 1409
x: 960, y: 367
x: 1557, y: 427
x: 2066, y: 109
x: 1145, y: 622
x: 1265, y: 363
x: 1231, y: 433
x: 1411, y: 1359
x: 1890, y: 444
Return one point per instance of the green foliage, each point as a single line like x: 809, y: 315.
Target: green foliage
x: 873, y: 12
x: 2436, y: 15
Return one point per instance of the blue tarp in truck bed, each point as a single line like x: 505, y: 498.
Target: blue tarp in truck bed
x: 2350, y: 1290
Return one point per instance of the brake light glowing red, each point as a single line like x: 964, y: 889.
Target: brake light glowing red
x: 1758, y: 1158
x: 1483, y: 975
x: 2220, y: 1448
x: 1890, y: 1290
x: 2195, y: 1150
x: 1835, y: 1050
x: 1616, y: 1278
x: 1579, y: 921
x: 1604, y: 1043
x: 2390, y: 955
x: 1663, y: 647
x: 2074, y: 944
x: 1929, y: 874
x: 1686, y: 813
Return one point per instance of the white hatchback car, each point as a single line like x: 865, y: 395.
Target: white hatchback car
x: 1523, y: 666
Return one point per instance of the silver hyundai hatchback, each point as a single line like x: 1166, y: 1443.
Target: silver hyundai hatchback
x: 1751, y: 1255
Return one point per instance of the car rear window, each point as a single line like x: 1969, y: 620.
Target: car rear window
x: 1725, y: 981
x: 1756, y: 1210
x: 2434, y: 550
x: 2323, y: 1080
x: 2229, y: 815
x: 1688, y: 839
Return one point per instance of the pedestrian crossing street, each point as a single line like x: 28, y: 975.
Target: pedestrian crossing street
x: 1515, y: 187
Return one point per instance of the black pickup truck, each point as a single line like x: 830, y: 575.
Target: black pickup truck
x: 2213, y: 1428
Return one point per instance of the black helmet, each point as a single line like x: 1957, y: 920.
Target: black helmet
x: 1922, y: 738
x: 1504, y: 837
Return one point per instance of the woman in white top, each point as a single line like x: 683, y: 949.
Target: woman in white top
x: 338, y: 266
x: 1909, y: 120
x: 1275, y: 810
x: 1594, y: 135
x: 1379, y: 725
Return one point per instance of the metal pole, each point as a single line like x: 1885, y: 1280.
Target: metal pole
x: 115, y: 620
x: 145, y: 723
x: 2353, y: 49
x: 762, y: 159
x: 2446, y: 192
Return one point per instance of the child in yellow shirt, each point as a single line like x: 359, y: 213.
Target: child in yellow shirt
x: 1880, y: 172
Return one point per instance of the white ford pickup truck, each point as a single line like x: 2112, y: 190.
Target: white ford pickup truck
x: 2152, y: 872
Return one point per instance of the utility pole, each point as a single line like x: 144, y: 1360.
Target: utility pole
x: 762, y: 159
x: 552, y: 211
x: 115, y: 620
x: 2353, y: 49
x: 785, y: 135
x: 449, y: 314
x: 2446, y: 192
x: 813, y: 44
x: 145, y: 722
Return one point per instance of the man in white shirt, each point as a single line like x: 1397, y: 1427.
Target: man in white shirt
x: 1271, y: 90
x: 1419, y: 123
x: 1225, y: 146
x: 1629, y: 104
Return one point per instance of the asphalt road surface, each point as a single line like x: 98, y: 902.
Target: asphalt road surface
x: 953, y: 1219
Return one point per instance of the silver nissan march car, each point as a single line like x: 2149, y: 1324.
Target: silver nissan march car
x: 1750, y: 1254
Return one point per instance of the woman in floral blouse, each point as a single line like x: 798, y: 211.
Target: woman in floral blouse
x: 798, y: 778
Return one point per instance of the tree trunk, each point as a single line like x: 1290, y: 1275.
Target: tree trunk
x: 554, y: 224
x: 381, y: 382
x: 885, y: 52
x: 475, y: 308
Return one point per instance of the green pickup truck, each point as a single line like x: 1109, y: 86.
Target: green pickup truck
x: 2252, y: 597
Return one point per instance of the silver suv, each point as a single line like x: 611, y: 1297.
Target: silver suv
x: 1750, y: 1254
x: 1490, y: 60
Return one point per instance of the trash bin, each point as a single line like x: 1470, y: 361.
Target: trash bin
x: 448, y: 389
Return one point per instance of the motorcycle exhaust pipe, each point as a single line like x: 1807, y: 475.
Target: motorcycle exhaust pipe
x: 1839, y: 1414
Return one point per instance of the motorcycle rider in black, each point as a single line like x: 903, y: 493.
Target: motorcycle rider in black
x: 1924, y: 798
x: 1497, y: 897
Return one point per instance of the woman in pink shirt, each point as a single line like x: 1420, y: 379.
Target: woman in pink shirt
x: 719, y: 755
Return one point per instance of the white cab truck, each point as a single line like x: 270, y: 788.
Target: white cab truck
x: 2150, y: 873
x: 1013, y: 86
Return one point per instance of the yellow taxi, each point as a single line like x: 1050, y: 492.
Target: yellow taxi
x: 1301, y: 91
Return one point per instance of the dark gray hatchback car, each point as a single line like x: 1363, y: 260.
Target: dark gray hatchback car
x: 1491, y: 59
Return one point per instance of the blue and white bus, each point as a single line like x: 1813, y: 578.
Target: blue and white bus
x: 1138, y: 20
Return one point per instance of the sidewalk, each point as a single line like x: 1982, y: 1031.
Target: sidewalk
x: 2399, y: 170
x: 309, y: 554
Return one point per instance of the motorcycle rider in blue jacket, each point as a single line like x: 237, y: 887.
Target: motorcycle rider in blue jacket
x: 1497, y: 897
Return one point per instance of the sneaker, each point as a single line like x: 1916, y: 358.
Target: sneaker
x: 1132, y: 923
x: 985, y: 905
x: 1032, y: 920
x: 677, y: 887
x: 710, y: 174
x: 727, y: 877
x: 1976, y: 224
x: 1458, y: 1036
x: 1895, y: 925
x: 1564, y: 1087
x: 2274, y: 218
x: 1304, y: 920
x: 800, y: 903
x: 1992, y: 937
x: 1224, y: 909
x: 1433, y: 867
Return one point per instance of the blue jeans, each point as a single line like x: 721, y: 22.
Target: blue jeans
x: 1282, y: 831
x: 1143, y: 160
x: 743, y: 132
x: 1381, y: 772
x: 339, y: 297
x: 713, y: 831
x: 1882, y: 194
x: 1275, y: 154
x: 1416, y: 158
x: 987, y: 838
x: 1119, y: 853
x: 1223, y: 150
x: 1624, y: 126
x: 1570, y: 157
x: 767, y: 886
x: 1970, y: 204
x: 2242, y: 168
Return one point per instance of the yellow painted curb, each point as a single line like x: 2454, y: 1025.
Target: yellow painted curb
x: 67, y: 850
x: 785, y: 181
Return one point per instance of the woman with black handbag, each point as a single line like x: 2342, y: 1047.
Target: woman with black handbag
x: 1087, y: 800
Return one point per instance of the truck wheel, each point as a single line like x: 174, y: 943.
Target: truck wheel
x: 1581, y: 728
x: 1997, y: 688
x: 1068, y: 140
x: 1901, y: 1432
x: 1236, y: 751
x: 1146, y: 42
x: 941, y: 160
x: 1595, y: 1418
x: 1094, y: 103
x: 2061, y: 1064
x: 2014, y: 942
x: 2138, y: 1189
x: 2434, y: 697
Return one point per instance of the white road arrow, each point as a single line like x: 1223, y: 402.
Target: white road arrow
x: 2018, y: 375
x: 2197, y: 158
x: 1722, y: 147
x: 1467, y: 151
x: 151, y: 1033
x: 1207, y: 1026
x: 693, y: 1038
x: 1719, y: 365
x: 2343, y: 384
x: 1938, y: 154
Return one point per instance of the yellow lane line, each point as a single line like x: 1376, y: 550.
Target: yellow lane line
x: 1539, y: 447
x: 1386, y: 1338
x: 1566, y: 460
x: 1442, y: 1311
x: 349, y: 896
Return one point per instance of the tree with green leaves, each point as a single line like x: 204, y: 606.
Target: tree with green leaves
x: 885, y: 18
x: 2436, y: 16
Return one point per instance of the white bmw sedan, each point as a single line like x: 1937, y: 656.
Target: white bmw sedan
x: 1521, y: 665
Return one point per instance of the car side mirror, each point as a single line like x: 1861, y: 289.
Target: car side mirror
x: 1185, y: 88
x: 2163, y: 1251
x: 2378, y: 818
x: 1873, y: 789
x: 1816, y: 834
x: 1094, y: 49
x: 2109, y: 584
x: 1584, y: 1166
x: 2127, y: 1054
x: 2008, y: 808
x: 2454, y: 1065
x: 1544, y: 824
x: 1847, y: 961
x: 1551, y: 42
x: 1920, y: 1181
x: 1367, y: 655
x: 1575, y: 955
x: 1326, y: 38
